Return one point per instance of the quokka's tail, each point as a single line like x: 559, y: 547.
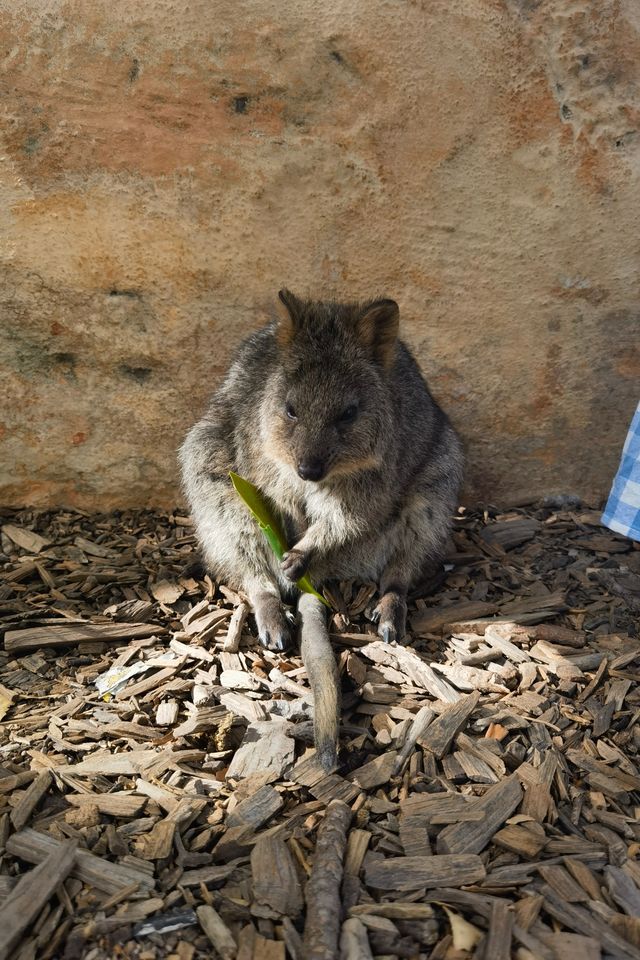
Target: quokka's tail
x: 322, y: 670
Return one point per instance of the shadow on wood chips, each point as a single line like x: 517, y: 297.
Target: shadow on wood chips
x: 159, y: 795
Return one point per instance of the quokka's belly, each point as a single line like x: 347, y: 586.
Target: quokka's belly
x: 406, y: 542
x: 364, y: 561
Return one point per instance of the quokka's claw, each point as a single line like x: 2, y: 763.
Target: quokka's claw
x: 391, y: 617
x: 388, y: 632
x: 274, y: 641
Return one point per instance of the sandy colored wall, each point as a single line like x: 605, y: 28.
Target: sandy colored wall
x: 167, y: 165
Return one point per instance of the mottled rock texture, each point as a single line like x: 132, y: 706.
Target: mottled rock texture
x: 167, y: 165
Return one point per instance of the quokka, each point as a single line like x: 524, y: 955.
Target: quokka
x: 326, y: 411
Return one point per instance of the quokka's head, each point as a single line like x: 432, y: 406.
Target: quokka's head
x: 327, y: 410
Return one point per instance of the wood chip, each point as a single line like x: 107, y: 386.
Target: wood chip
x: 580, y: 920
x: 21, y: 813
x: 356, y: 848
x: 276, y: 886
x: 419, y: 724
x: 376, y: 772
x: 354, y: 942
x: 526, y: 839
x: 18, y: 641
x: 112, y: 764
x: 623, y: 890
x: 434, y: 619
x: 498, y: 945
x: 217, y: 931
x: 6, y: 699
x: 267, y: 747
x: 414, y: 669
x: 440, y: 733
x: 111, y: 877
x: 120, y: 804
x: 25, y: 539
x: 497, y: 804
x: 498, y: 636
x: 440, y: 808
x: 234, y: 633
x: 257, y: 809
x: 412, y: 873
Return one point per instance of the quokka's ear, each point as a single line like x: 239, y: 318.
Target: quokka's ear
x: 377, y: 329
x: 289, y: 316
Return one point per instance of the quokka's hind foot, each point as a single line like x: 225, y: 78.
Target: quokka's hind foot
x: 391, y: 616
x: 274, y: 627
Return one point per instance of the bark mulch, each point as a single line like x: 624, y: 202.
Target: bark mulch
x: 159, y: 795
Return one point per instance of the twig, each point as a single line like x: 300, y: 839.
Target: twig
x: 323, y: 889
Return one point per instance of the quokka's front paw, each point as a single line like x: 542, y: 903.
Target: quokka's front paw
x: 294, y: 564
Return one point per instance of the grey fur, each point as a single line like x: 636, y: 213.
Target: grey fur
x: 382, y: 511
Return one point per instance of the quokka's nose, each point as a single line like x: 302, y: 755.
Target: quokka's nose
x: 311, y: 469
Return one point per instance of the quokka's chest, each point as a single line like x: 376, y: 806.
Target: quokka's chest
x: 322, y: 503
x: 303, y: 503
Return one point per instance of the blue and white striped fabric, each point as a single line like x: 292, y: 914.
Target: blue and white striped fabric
x: 622, y: 512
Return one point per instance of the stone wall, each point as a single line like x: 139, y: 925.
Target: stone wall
x: 167, y: 165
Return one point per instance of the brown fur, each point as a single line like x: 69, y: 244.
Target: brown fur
x: 377, y: 328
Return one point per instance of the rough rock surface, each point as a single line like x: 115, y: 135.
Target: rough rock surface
x: 166, y: 166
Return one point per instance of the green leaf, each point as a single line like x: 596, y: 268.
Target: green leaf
x: 261, y: 511
x: 269, y: 525
x: 274, y: 540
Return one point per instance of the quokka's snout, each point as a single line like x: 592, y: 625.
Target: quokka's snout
x: 326, y: 454
x: 312, y: 468
x: 310, y: 443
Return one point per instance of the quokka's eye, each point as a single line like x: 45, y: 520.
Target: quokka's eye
x: 348, y: 415
x: 290, y: 412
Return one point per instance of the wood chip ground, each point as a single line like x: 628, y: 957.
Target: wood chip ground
x: 159, y: 794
